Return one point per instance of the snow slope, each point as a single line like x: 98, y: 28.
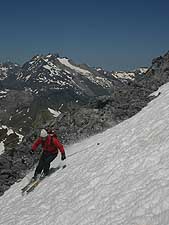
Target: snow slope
x: 119, y: 177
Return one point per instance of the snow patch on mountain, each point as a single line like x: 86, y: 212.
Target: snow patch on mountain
x: 66, y: 62
x: 48, y: 56
x: 102, y: 81
x: 124, y: 75
x: 53, y: 71
x: 99, y: 69
x: 34, y: 59
x: 3, y: 94
x: 9, y: 130
x: 27, y: 77
x: 20, y: 137
x: 142, y: 70
x: 4, y: 69
x: 2, y: 148
x: 54, y: 112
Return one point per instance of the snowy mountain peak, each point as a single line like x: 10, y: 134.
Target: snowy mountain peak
x: 54, y: 72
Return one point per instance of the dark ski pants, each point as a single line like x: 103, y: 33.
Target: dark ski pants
x: 44, y: 162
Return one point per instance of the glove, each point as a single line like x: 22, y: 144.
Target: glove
x: 63, y: 156
x: 31, y: 151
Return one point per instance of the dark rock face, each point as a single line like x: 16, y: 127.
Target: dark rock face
x: 14, y: 105
x: 14, y: 163
x: 157, y: 74
x: 11, y: 169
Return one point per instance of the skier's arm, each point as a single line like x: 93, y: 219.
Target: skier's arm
x: 36, y: 144
x: 58, y: 145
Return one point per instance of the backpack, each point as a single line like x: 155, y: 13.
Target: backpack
x: 52, y: 134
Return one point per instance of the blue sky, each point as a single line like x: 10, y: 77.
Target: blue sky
x: 117, y: 35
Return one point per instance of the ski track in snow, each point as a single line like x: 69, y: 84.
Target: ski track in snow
x: 119, y: 177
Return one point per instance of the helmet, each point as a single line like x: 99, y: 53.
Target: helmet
x: 43, y: 133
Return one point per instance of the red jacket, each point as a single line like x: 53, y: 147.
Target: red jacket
x: 51, y: 144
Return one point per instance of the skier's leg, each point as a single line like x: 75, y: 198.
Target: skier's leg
x: 48, y: 160
x: 40, y: 165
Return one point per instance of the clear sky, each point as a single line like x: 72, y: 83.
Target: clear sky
x: 114, y: 34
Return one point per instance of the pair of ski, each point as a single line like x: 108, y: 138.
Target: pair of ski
x: 34, y: 183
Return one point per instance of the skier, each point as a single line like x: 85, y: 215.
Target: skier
x: 50, y: 145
